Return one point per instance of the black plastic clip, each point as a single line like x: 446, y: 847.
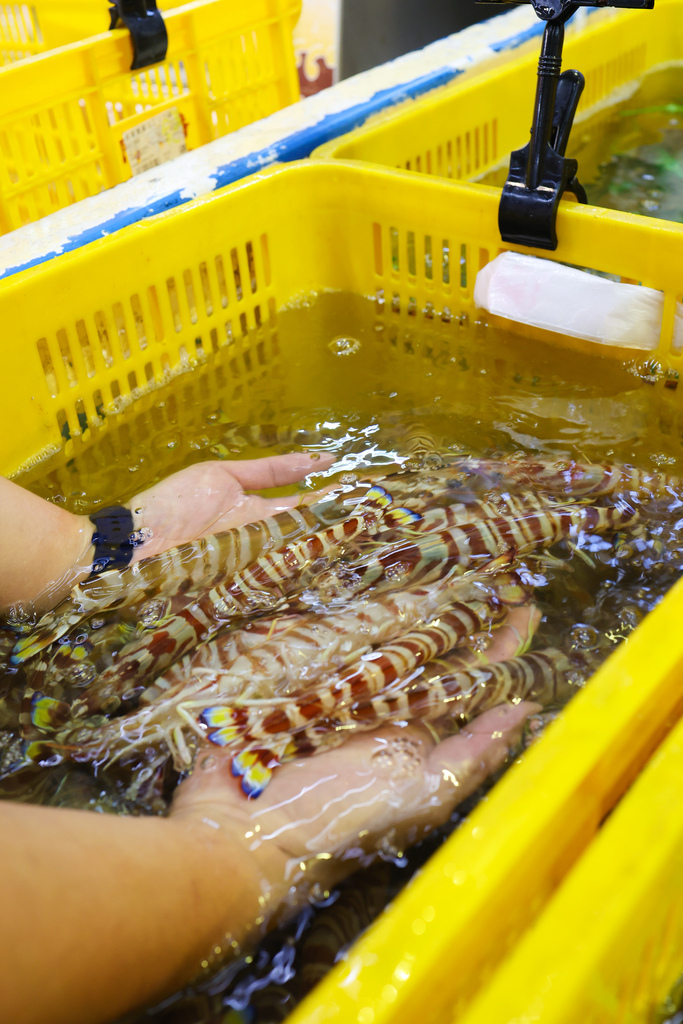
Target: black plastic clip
x: 540, y: 173
x: 147, y: 30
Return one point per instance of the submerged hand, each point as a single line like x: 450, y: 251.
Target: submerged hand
x: 323, y: 817
x: 211, y: 497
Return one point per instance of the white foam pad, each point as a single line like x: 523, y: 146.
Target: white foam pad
x: 545, y: 294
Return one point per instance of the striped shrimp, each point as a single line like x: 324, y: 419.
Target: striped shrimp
x: 171, y: 724
x: 431, y: 692
x: 281, y: 656
x: 201, y: 563
x: 578, y: 479
x: 467, y: 546
x: 192, y: 619
x: 373, y: 674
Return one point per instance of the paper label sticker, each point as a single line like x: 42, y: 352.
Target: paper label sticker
x: 154, y: 141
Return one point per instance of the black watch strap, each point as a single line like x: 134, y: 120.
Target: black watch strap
x: 114, y: 538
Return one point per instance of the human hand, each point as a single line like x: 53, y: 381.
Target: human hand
x: 211, y: 497
x: 321, y: 818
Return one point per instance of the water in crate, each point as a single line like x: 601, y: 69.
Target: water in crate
x: 477, y: 542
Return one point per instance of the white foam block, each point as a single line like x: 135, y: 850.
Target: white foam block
x: 545, y: 294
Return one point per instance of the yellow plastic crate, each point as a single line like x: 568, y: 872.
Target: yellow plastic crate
x: 86, y: 333
x: 609, y: 945
x: 28, y: 29
x: 468, y: 127
x: 63, y: 114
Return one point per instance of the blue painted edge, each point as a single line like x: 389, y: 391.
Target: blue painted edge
x: 296, y: 146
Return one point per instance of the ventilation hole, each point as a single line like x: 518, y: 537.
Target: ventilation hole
x: 379, y: 298
x: 175, y: 306
x: 494, y: 139
x: 445, y: 262
x: 429, y: 310
x: 222, y: 286
x: 265, y: 256
x: 428, y: 158
x: 257, y: 316
x: 115, y: 390
x: 429, y: 269
x: 86, y: 351
x: 246, y: 359
x: 449, y: 155
x: 98, y: 402
x: 476, y: 149
x: 408, y: 165
x: 120, y: 321
x: 48, y: 368
x: 206, y: 288
x: 103, y: 338
x: 199, y: 346
x: 468, y: 155
x: 411, y: 253
x: 252, y: 267
x: 272, y: 311
x: 229, y: 337
x: 393, y: 234
x: 236, y: 273
x: 395, y: 303
x: 446, y: 315
x: 82, y: 417
x: 149, y: 373
x: 243, y: 324
x: 155, y: 311
x: 377, y: 245
x: 463, y: 266
x: 261, y: 357
x: 165, y: 363
x: 486, y: 144
x: 418, y: 164
x: 213, y: 335
x: 67, y: 358
x: 184, y: 357
x: 132, y: 380
x: 412, y: 306
x: 63, y: 424
x: 189, y: 291
x: 138, y: 320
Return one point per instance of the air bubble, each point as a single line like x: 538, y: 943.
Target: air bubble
x: 344, y: 346
x: 153, y: 612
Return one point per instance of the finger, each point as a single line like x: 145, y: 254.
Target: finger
x: 277, y: 470
x: 508, y: 640
x: 465, y: 761
x: 514, y: 635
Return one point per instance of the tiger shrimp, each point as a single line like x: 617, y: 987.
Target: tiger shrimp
x: 468, y: 546
x: 194, y: 618
x: 170, y: 721
x: 280, y: 656
x: 430, y: 693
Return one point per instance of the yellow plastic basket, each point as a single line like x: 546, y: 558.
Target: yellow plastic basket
x: 28, y: 29
x: 467, y: 127
x: 200, y: 288
x: 609, y: 945
x: 64, y: 115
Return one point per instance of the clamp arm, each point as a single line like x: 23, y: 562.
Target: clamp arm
x: 540, y: 173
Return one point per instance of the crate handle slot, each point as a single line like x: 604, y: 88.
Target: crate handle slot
x: 147, y: 30
x: 540, y: 173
